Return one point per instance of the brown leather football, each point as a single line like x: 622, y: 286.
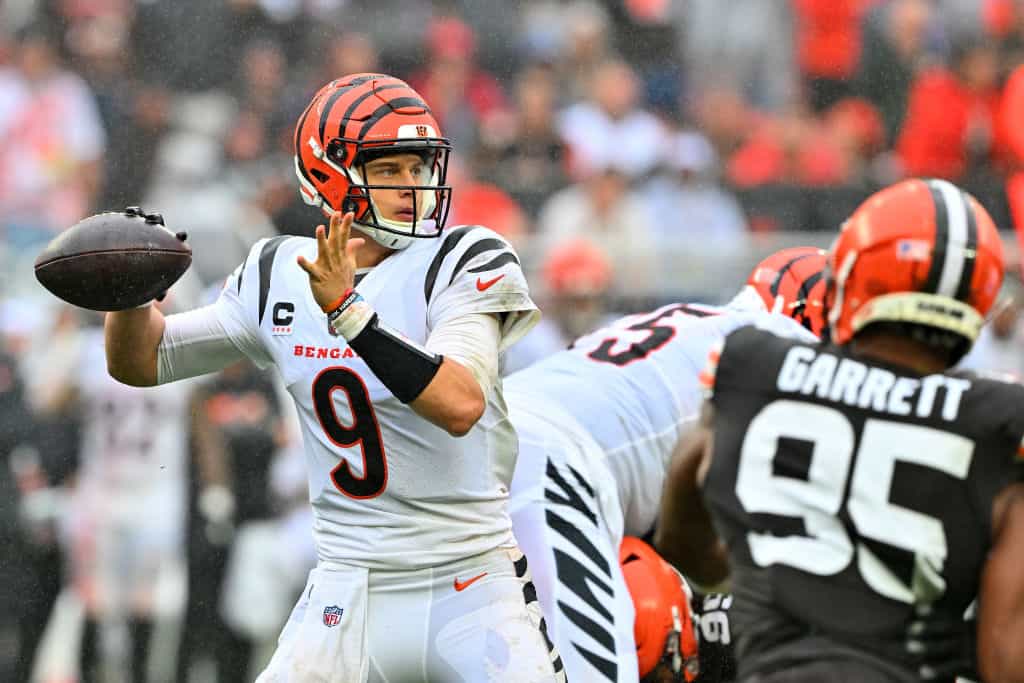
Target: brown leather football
x: 113, y: 261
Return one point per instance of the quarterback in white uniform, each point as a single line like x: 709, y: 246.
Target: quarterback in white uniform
x: 598, y: 424
x: 389, y: 344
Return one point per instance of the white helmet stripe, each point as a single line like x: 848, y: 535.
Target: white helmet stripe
x: 844, y: 272
x: 956, y: 240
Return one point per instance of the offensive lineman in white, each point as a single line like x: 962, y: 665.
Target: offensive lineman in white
x: 409, y: 449
x: 125, y: 564
x: 598, y: 424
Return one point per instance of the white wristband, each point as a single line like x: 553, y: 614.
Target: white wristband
x: 351, y: 318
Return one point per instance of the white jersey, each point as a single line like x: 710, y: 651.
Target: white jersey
x: 568, y: 520
x: 134, y: 453
x: 124, y: 527
x: 633, y: 386
x: 389, y: 489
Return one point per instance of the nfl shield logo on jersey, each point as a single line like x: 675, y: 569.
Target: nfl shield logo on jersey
x: 332, y: 615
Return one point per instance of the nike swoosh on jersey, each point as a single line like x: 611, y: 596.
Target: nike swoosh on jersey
x: 461, y: 586
x: 481, y: 285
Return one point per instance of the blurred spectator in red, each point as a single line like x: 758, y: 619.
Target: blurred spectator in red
x: 951, y: 122
x: 612, y: 117
x: 577, y: 277
x: 895, y: 49
x: 998, y: 17
x: 477, y: 202
x: 1005, y: 20
x: 856, y: 128
x: 461, y: 94
x: 828, y: 42
x: 51, y: 143
x: 522, y: 151
x: 1012, y: 113
x: 792, y: 174
x: 790, y: 149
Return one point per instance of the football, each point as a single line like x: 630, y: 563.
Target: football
x: 113, y: 261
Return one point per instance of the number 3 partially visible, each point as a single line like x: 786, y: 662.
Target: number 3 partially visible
x: 827, y: 548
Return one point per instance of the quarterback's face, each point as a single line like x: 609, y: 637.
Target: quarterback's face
x: 399, y: 170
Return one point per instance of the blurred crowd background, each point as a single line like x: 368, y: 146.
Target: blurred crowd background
x: 635, y: 152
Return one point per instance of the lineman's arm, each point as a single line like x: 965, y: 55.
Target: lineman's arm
x: 1001, y: 603
x: 685, y: 535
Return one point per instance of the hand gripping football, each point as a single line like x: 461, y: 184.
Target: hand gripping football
x: 113, y: 261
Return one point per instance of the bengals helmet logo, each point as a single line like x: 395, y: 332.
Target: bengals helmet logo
x: 421, y: 131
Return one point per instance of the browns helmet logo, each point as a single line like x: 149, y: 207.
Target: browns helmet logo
x: 421, y: 131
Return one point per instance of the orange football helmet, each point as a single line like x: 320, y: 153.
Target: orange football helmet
x: 920, y: 251
x: 792, y: 282
x: 577, y: 267
x: 360, y: 117
x: 664, y: 628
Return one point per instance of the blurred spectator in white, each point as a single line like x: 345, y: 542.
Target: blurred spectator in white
x: 967, y: 17
x: 690, y: 205
x: 573, y: 37
x: 576, y: 277
x: 605, y: 209
x: 1000, y: 346
x: 612, y: 117
x: 523, y: 152
x: 585, y: 28
x: 51, y: 143
x: 462, y: 95
x: 742, y: 44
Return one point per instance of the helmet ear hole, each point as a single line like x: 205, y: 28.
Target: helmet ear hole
x: 336, y: 151
x: 319, y: 175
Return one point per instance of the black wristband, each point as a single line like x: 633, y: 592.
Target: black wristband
x: 402, y: 367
